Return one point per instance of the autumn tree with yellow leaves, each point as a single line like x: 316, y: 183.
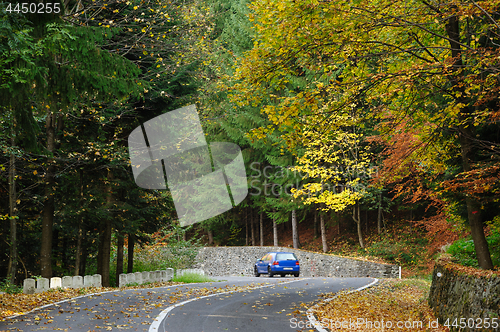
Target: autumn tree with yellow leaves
x: 371, y: 65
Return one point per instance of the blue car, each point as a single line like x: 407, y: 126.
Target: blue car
x: 277, y: 263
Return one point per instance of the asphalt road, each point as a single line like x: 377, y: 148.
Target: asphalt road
x: 245, y: 304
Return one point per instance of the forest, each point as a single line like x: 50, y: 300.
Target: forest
x: 366, y: 127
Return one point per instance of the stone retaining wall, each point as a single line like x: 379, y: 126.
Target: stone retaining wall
x: 456, y: 295
x: 237, y: 261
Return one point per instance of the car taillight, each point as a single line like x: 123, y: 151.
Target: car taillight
x: 276, y: 263
x: 297, y: 263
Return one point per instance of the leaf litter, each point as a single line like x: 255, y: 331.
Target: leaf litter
x: 390, y: 300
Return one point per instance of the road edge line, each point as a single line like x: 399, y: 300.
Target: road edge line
x: 163, y: 315
x: 77, y: 297
x: 310, y: 312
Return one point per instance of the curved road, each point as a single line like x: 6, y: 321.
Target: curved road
x: 241, y: 304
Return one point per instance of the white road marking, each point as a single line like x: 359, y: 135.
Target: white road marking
x: 154, y: 327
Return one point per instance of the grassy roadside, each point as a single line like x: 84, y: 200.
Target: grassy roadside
x: 191, y: 278
x: 392, y: 304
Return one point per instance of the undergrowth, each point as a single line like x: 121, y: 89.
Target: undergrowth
x: 191, y: 278
x: 405, y: 246
x: 7, y: 287
x: 463, y: 252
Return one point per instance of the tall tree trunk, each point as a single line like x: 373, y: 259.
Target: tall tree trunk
x: 104, y: 254
x: 246, y: 226
x: 64, y: 253
x: 48, y: 205
x: 379, y: 215
x: 466, y: 137
x: 78, y: 249
x: 411, y: 220
x: 79, y: 234
x: 106, y: 236
x: 102, y: 230
x: 83, y: 261
x: 366, y: 221
x: 474, y: 214
x: 56, y: 251
x: 210, y: 237
x: 12, y: 268
x: 130, y: 253
x: 295, y: 232
x: 323, y: 233
x: 275, y: 233
x: 252, y: 228
x: 119, y: 255
x: 338, y: 222
x: 316, y: 233
x: 357, y: 219
x: 261, y: 224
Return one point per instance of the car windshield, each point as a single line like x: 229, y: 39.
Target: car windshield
x: 285, y: 256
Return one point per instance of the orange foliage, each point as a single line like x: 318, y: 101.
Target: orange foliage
x: 411, y: 180
x: 482, y: 183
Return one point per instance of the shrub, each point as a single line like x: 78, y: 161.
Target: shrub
x: 404, y: 251
x: 464, y: 253
x: 169, y: 251
x: 7, y: 287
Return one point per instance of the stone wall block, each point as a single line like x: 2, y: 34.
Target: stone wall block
x: 138, y: 277
x: 42, y: 285
x: 88, y: 281
x: 29, y: 286
x: 55, y: 282
x: 78, y: 282
x: 122, y: 280
x: 97, y: 280
x: 67, y: 282
x: 170, y: 273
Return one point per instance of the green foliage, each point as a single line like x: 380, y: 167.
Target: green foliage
x: 235, y: 238
x: 7, y: 287
x: 464, y: 253
x: 192, y: 278
x: 167, y: 251
x: 406, y: 251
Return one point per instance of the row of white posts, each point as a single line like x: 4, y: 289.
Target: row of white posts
x: 31, y: 286
x: 144, y: 277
